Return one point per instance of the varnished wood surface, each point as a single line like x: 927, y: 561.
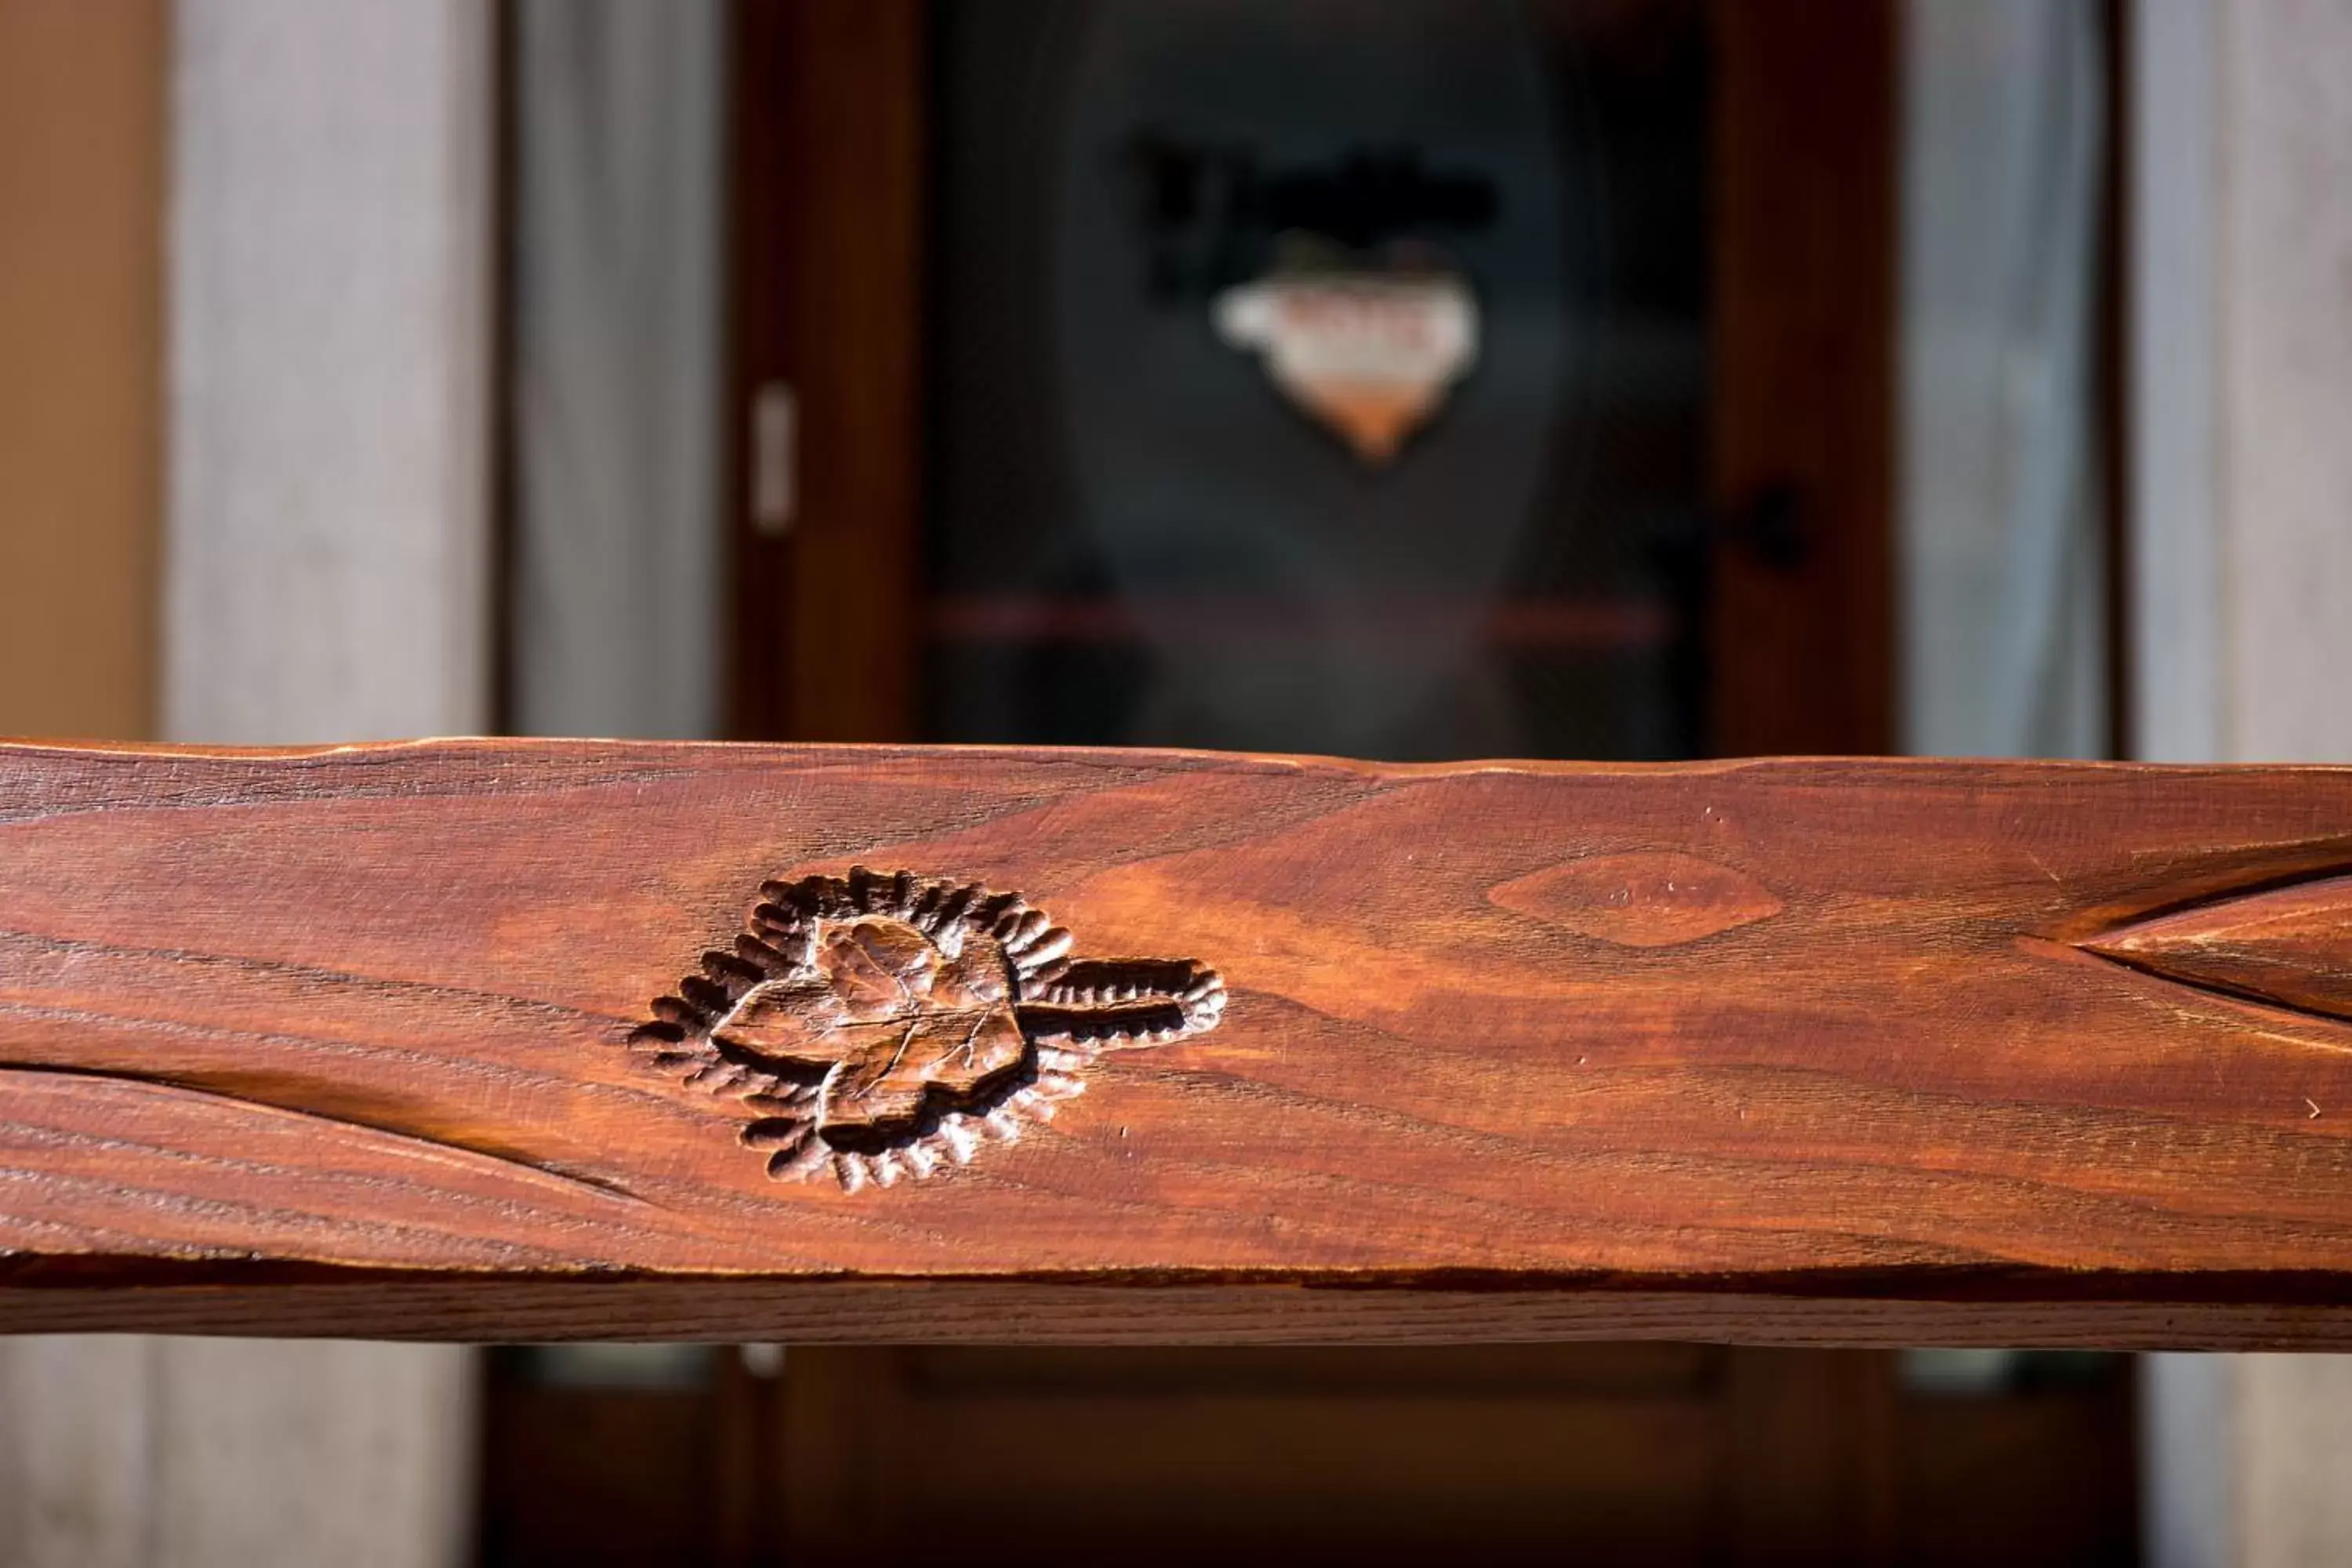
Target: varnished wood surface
x: 341, y: 1042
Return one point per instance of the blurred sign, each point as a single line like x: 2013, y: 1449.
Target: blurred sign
x: 1369, y: 355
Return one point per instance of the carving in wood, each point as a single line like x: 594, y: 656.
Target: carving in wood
x: 884, y: 1027
x: 2289, y: 946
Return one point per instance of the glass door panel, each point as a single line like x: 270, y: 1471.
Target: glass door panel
x: 1314, y: 377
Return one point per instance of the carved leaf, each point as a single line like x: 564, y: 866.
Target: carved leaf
x: 886, y: 1027
x: 895, y: 1013
x: 2291, y: 946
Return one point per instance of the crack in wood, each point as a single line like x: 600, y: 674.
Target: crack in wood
x: 2289, y: 946
x: 241, y: 1095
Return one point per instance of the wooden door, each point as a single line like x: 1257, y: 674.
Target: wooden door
x: 1698, y: 561
x: 1703, y: 560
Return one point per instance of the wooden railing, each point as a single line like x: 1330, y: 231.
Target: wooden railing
x: 479, y: 1039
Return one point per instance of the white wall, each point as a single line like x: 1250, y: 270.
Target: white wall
x: 2241, y: 459
x: 327, y: 543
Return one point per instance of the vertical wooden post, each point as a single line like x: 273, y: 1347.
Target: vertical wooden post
x: 1804, y: 154
x: 826, y: 155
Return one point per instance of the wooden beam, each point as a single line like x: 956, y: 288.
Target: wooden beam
x: 487, y: 1039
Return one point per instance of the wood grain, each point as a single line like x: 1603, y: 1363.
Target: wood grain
x: 341, y: 1042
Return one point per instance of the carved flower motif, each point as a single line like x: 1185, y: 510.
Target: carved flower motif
x: 881, y: 1026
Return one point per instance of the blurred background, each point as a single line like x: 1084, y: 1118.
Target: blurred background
x: 1410, y: 379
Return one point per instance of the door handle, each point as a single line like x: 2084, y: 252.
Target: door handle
x: 775, y: 459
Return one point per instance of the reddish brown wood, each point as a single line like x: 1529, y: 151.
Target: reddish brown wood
x: 356, y: 1040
